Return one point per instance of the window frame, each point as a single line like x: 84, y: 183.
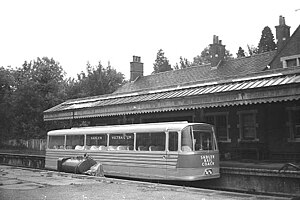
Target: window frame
x: 240, y: 126
x: 215, y: 115
x: 292, y: 125
x: 168, y: 141
x: 149, y: 142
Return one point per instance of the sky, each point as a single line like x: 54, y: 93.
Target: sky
x: 75, y: 32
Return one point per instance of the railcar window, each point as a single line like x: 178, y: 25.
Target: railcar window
x: 173, y: 141
x: 75, y: 142
x: 56, y: 142
x: 186, y: 139
x: 97, y: 142
x: 150, y: 141
x: 203, y: 140
x: 121, y: 141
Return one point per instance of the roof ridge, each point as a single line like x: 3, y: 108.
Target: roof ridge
x: 276, y: 72
x: 208, y: 64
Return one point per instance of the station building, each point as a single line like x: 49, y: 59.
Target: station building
x: 254, y: 102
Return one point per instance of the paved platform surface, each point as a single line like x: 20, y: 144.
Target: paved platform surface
x: 271, y: 165
x: 23, y: 183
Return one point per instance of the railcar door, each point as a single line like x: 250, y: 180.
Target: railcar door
x: 172, y: 155
x: 151, y: 155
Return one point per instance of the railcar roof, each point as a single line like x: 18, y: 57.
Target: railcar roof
x: 132, y: 128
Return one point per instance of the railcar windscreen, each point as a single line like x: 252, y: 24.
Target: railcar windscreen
x: 194, y: 138
x: 203, y: 140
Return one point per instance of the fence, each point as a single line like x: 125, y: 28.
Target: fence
x: 34, y: 144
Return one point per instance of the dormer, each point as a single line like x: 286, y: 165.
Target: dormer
x: 290, y: 61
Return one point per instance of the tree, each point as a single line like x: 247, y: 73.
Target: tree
x: 97, y: 80
x: 7, y: 85
x: 240, y: 53
x: 184, y: 63
x: 266, y: 42
x: 40, y: 85
x: 252, y: 50
x: 205, y: 57
x: 161, y: 63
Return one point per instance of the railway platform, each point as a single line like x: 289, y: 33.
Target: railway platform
x: 25, y: 183
x: 265, y: 177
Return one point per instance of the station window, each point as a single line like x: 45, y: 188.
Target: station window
x: 97, y: 142
x: 220, y: 121
x: 247, y: 125
x: 294, y: 124
x: 121, y: 141
x: 150, y: 141
x: 56, y: 142
x: 74, y: 141
x: 173, y: 141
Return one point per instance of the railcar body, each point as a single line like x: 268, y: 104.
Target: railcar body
x: 165, y: 151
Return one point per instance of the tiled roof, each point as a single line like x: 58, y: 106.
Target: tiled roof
x: 240, y: 66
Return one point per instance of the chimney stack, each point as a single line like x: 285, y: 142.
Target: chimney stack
x: 282, y: 33
x: 136, y: 68
x: 217, y: 51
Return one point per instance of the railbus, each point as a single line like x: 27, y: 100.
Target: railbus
x: 158, y: 151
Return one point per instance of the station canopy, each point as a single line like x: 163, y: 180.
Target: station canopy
x: 263, y: 87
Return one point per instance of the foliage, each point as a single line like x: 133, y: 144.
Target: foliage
x: 266, y: 42
x: 252, y: 50
x: 6, y: 91
x: 240, y: 53
x: 184, y: 63
x: 26, y: 92
x: 97, y: 80
x: 39, y: 86
x: 205, y: 57
x: 161, y: 63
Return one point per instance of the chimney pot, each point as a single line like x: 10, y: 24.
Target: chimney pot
x: 282, y: 32
x: 136, y: 68
x: 217, y: 51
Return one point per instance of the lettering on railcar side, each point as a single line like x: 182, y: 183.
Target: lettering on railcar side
x: 121, y: 137
x: 207, y: 160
